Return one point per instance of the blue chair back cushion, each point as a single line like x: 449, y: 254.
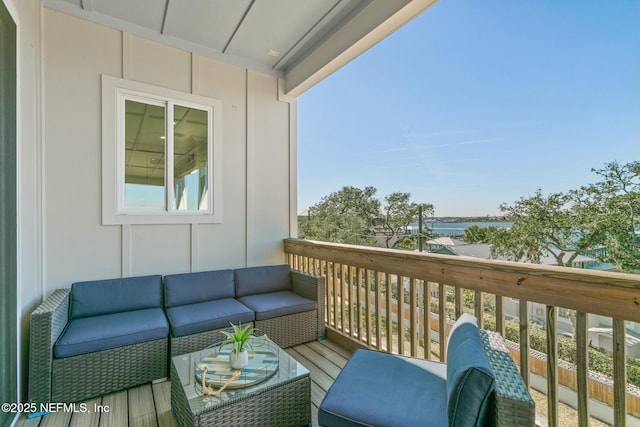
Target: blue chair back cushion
x: 260, y: 280
x: 192, y: 288
x: 100, y: 297
x: 470, y: 379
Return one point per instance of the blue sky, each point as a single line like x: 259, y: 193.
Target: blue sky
x: 476, y: 103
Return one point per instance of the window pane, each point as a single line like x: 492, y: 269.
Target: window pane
x: 144, y: 155
x: 190, y: 154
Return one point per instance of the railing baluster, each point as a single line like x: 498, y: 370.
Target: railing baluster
x: 358, y: 305
x: 427, y: 319
x: 413, y: 316
x: 552, y: 367
x: 353, y: 286
x: 582, y: 368
x: 523, y: 308
x: 442, y: 321
x: 459, y: 302
x: 378, y: 316
x: 619, y: 373
x: 389, y: 312
x: 500, y: 327
x: 367, y: 299
x: 344, y: 295
x: 478, y: 305
x: 400, y: 305
x: 336, y: 301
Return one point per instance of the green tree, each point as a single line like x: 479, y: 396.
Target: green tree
x: 542, y: 225
x: 596, y: 216
x: 345, y: 216
x: 613, y: 206
x: 398, y: 212
x: 477, y: 234
x: 355, y: 216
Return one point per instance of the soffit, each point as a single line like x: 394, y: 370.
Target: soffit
x: 270, y: 36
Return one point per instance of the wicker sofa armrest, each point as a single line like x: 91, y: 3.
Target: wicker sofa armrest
x: 513, y: 405
x: 312, y: 287
x: 46, y: 324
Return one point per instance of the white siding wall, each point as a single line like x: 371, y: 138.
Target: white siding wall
x: 61, y: 237
x: 256, y: 171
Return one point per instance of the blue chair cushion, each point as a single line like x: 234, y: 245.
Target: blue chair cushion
x: 276, y: 304
x: 91, y: 334
x: 470, y: 378
x: 258, y: 280
x: 207, y: 316
x: 99, y: 297
x: 379, y: 389
x: 190, y: 288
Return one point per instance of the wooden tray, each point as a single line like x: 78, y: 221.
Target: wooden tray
x: 263, y: 363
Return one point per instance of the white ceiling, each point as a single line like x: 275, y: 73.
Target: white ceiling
x: 270, y: 36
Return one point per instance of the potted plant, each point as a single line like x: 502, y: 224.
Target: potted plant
x: 239, y: 338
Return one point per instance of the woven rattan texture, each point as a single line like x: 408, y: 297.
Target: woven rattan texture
x: 47, y: 323
x: 93, y: 374
x: 513, y: 405
x: 285, y: 404
x: 314, y: 288
x: 294, y: 329
x: 194, y: 342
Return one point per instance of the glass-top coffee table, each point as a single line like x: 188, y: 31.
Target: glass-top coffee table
x: 282, y: 399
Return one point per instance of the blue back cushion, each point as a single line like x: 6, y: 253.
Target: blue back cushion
x: 470, y: 379
x: 260, y: 280
x: 100, y: 297
x: 192, y: 288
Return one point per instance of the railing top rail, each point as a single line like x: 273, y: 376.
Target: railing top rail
x: 599, y: 292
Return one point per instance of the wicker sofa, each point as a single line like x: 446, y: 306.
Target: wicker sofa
x: 286, y: 305
x: 478, y: 386
x: 96, y: 338
x: 107, y: 335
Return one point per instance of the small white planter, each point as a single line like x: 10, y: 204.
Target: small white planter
x: 239, y: 360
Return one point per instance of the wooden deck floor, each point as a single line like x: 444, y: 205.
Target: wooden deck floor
x: 149, y: 405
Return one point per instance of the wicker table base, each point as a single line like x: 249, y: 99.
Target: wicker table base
x: 282, y: 400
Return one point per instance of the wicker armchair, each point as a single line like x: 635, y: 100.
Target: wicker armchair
x: 82, y: 376
x: 478, y: 386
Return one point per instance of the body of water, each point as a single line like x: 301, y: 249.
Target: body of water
x: 457, y: 228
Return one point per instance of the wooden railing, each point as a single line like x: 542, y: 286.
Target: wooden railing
x: 400, y: 301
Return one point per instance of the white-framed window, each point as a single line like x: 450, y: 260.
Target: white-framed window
x: 161, y: 157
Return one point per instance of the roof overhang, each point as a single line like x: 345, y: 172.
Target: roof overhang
x: 301, y: 42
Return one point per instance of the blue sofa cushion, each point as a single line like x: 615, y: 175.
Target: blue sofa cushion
x: 97, y: 333
x: 276, y: 304
x: 258, y: 280
x: 207, y: 316
x: 384, y: 390
x: 470, y: 378
x: 191, y: 288
x: 99, y: 297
